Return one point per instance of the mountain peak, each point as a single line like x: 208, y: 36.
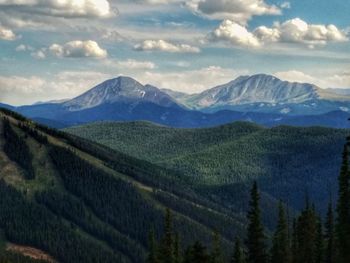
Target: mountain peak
x: 260, y: 88
x: 120, y: 89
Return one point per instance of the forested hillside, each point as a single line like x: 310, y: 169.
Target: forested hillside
x: 80, y: 202
x: 221, y: 162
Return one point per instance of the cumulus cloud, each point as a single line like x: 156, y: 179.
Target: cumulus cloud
x: 7, y: 34
x: 235, y: 10
x: 235, y: 34
x: 135, y: 64
x: 291, y: 31
x: 62, y: 8
x: 161, y: 45
x: 78, y: 49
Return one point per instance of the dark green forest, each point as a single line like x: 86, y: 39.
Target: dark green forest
x: 222, y: 162
x: 79, y: 201
x: 306, y: 238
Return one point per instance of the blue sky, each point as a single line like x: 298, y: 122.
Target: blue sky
x: 59, y: 49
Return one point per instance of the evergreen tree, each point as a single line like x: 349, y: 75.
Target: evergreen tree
x: 255, y: 237
x: 294, y: 249
x: 153, y: 253
x: 167, y: 245
x: 343, y: 209
x: 280, y: 252
x: 216, y: 253
x: 187, y: 257
x: 177, y: 249
x: 199, y: 253
x: 330, y: 248
x: 238, y: 253
x: 319, y: 256
x: 307, y: 235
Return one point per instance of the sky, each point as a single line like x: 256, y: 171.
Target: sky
x: 57, y: 49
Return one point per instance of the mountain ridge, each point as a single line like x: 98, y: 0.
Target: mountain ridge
x: 259, y: 88
x: 125, y: 99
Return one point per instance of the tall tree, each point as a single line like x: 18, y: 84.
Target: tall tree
x: 307, y: 234
x: 280, y: 252
x: 167, y: 243
x: 294, y: 248
x: 199, y: 253
x: 216, y: 253
x: 330, y: 248
x: 343, y: 210
x: 319, y: 256
x: 152, y: 246
x: 177, y: 249
x: 238, y: 253
x: 255, y: 234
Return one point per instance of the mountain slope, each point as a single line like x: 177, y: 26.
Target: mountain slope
x: 286, y: 161
x: 257, y: 90
x: 81, y: 202
x: 121, y: 89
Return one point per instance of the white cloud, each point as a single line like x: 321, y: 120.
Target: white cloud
x: 324, y: 80
x: 39, y: 54
x: 190, y: 81
x: 235, y: 34
x: 296, y: 76
x: 134, y: 64
x: 298, y: 31
x: 291, y: 31
x: 156, y: 2
x: 286, y: 5
x: 161, y: 45
x: 78, y: 49
x: 22, y: 48
x: 63, y: 8
x: 7, y: 34
x: 236, y: 10
x: 17, y: 90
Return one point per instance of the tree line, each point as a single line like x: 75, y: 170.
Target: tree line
x: 306, y: 239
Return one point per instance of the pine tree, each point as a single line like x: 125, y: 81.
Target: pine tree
x: 280, y: 252
x: 307, y: 234
x: 167, y: 244
x: 343, y: 210
x: 153, y: 253
x: 216, y: 253
x: 188, y: 255
x: 255, y: 237
x: 238, y: 253
x: 330, y: 248
x: 294, y: 249
x: 177, y: 249
x: 319, y: 256
x: 199, y: 253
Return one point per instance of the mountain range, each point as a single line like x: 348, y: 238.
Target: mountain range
x: 262, y: 99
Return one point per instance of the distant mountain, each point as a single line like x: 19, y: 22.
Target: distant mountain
x: 265, y: 93
x: 122, y: 89
x: 176, y: 94
x: 262, y: 99
x: 345, y: 92
x: 6, y: 106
